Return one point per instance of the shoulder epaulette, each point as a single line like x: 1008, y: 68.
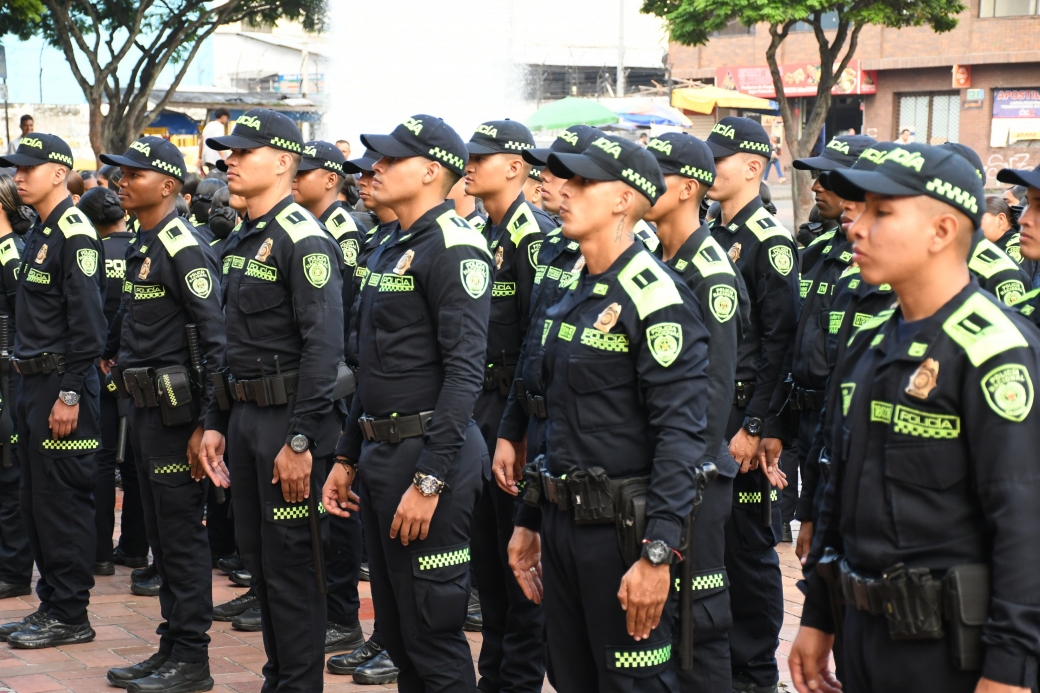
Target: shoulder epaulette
x: 873, y: 323
x: 764, y: 225
x: 711, y: 259
x: 176, y: 237
x: 297, y: 223
x: 8, y: 251
x: 849, y: 271
x: 74, y: 223
x: 825, y: 236
x: 522, y: 224
x: 649, y: 286
x: 646, y: 234
x: 982, y: 329
x: 339, y: 223
x: 457, y: 231
x: 988, y: 259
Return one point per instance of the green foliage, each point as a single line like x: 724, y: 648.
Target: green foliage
x: 20, y: 17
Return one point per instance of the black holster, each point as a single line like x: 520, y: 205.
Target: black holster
x: 913, y: 603
x: 221, y: 389
x: 966, y: 589
x: 591, y: 497
x: 176, y: 403
x: 346, y: 383
x: 631, y: 517
x: 533, y: 481
x: 140, y: 386
x: 742, y: 392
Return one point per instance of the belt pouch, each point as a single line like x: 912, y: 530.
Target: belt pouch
x: 912, y: 603
x: 221, y: 389
x: 533, y: 482
x: 274, y: 386
x: 176, y: 404
x: 631, y: 517
x: 117, y: 378
x: 966, y: 589
x: 591, y: 497
x: 345, y: 382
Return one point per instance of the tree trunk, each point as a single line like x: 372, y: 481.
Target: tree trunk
x: 97, y: 127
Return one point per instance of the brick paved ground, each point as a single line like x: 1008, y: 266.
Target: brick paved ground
x: 125, y: 625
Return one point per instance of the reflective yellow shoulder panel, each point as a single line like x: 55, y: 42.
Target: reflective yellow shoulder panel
x: 648, y: 285
x: 176, y: 237
x: 74, y: 223
x: 298, y: 223
x: 457, y: 231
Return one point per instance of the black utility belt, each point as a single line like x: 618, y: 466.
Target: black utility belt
x: 499, y: 378
x: 171, y: 389
x: 272, y: 390
x: 917, y: 605
x: 395, y: 428
x: 802, y: 399
x: 533, y: 405
x: 742, y: 393
x: 48, y: 363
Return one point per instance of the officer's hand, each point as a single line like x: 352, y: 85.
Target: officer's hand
x: 801, y: 549
x: 336, y: 495
x: 198, y: 470
x: 744, y: 449
x: 769, y: 450
x: 293, y: 469
x: 525, y: 558
x: 809, y: 662
x: 413, y: 516
x: 211, y: 456
x: 509, y: 456
x: 63, y: 419
x: 643, y: 593
x: 106, y: 365
x: 989, y: 686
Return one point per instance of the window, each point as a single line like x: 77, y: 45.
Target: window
x: 828, y: 21
x: 734, y: 28
x: 1007, y: 8
x: 930, y: 118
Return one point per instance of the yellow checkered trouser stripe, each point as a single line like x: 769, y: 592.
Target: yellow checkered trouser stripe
x: 172, y: 468
x: 705, y: 582
x: 642, y: 658
x: 755, y: 497
x: 82, y: 444
x: 14, y: 438
x: 295, y: 512
x: 443, y: 560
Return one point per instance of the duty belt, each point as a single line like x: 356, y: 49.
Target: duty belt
x: 807, y: 400
x: 499, y: 378
x: 267, y: 391
x: 48, y: 363
x: 396, y: 428
x: 533, y: 405
x: 871, y: 594
x: 742, y: 393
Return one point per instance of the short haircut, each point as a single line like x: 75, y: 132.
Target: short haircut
x: 997, y: 205
x: 297, y: 159
x: 74, y: 182
x: 191, y: 181
x: 220, y: 113
x: 24, y: 118
x: 904, y: 130
x: 342, y: 141
x: 450, y: 179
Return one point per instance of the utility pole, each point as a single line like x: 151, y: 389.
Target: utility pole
x: 7, y: 114
x: 621, y: 49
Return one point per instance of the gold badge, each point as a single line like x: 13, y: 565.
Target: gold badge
x: 265, y: 250
x: 923, y: 380
x: 404, y: 263
x: 146, y: 267
x: 734, y: 252
x: 579, y: 265
x: 608, y: 318
x: 42, y: 255
x: 500, y: 255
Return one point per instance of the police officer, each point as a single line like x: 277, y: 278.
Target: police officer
x: 623, y: 366
x: 511, y: 654
x: 315, y: 188
x: 764, y: 252
x: 1029, y: 225
x: 423, y: 334
x: 284, y: 318
x: 533, y: 187
x: 15, y: 553
x: 932, y: 498
x: 689, y: 250
x: 60, y: 324
x: 200, y: 205
x: 170, y: 283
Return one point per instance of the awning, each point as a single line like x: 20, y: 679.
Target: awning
x: 705, y: 99
x: 656, y: 114
x: 570, y: 111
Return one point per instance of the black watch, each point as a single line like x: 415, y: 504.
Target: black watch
x: 657, y: 552
x: 298, y: 443
x: 753, y: 426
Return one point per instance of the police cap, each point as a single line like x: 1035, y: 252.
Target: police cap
x: 362, y: 164
x: 612, y: 158
x: 153, y: 153
x: 323, y: 155
x: 868, y: 160
x: 39, y: 148
x: 261, y: 127
x: 535, y: 173
x: 1017, y: 176
x: 426, y: 136
x: 573, y: 140
x: 969, y: 154
x: 917, y: 169
x: 684, y: 155
x: 732, y: 134
x: 840, y: 152
x: 500, y: 137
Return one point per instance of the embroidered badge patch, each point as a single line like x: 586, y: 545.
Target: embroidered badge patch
x: 608, y: 318
x: 265, y: 250
x: 722, y: 301
x: 199, y: 282
x: 781, y: 258
x: 1009, y: 391
x: 87, y: 259
x: 734, y: 252
x: 665, y: 342
x: 475, y: 277
x: 532, y: 252
x: 350, y: 251
x: 146, y: 267
x: 317, y: 268
x: 404, y: 263
x: 923, y: 380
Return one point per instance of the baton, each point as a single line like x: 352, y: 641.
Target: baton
x: 317, y: 550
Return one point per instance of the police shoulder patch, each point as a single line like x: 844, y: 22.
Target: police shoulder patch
x: 87, y: 259
x: 522, y: 224
x: 665, y: 341
x: 317, y: 268
x: 176, y: 237
x: 982, y: 329
x: 475, y: 277
x: 1009, y: 391
x: 199, y: 282
x: 297, y: 223
x: 782, y: 259
x: 649, y: 286
x: 711, y: 259
x: 722, y: 301
x: 349, y: 246
x: 457, y: 231
x: 988, y: 259
x: 8, y: 251
x: 1010, y: 292
x: 74, y: 223
x: 532, y: 252
x: 339, y: 223
x: 764, y: 225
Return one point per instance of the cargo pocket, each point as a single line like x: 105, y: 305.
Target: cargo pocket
x: 172, y: 470
x: 926, y: 500
x: 712, y: 616
x: 262, y: 306
x: 607, y: 390
x: 640, y: 660
x: 73, y: 460
x: 395, y: 344
x: 291, y: 514
x: 441, y: 583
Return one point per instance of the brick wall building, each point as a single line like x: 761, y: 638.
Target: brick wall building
x: 996, y: 112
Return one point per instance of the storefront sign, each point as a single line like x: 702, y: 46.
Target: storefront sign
x: 1016, y: 103
x: 800, y: 79
x: 961, y: 76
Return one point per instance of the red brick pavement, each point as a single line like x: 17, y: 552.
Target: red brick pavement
x: 125, y: 625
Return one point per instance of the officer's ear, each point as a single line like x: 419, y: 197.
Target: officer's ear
x: 518, y: 168
x: 171, y: 187
x: 331, y: 180
x: 950, y: 227
x: 754, y: 166
x: 689, y: 189
x: 60, y: 176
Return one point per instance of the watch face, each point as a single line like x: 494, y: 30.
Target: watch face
x: 299, y: 443
x: 657, y: 552
x: 428, y: 485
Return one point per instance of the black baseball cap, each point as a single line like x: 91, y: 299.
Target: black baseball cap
x: 362, y: 164
x: 917, y: 169
x: 573, y: 140
x: 683, y: 155
x: 261, y: 127
x: 869, y: 159
x: 39, y: 148
x: 1018, y: 176
x: 500, y: 137
x: 422, y: 135
x: 732, y: 134
x: 613, y: 158
x: 535, y: 173
x: 153, y: 153
x: 968, y: 153
x: 840, y: 152
x: 323, y: 155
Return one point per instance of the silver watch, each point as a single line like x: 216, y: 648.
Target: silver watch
x: 428, y: 485
x: 299, y: 443
x: 69, y: 397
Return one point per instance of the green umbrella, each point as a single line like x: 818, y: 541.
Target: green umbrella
x: 570, y: 111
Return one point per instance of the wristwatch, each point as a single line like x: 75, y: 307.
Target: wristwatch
x: 753, y: 425
x: 428, y: 485
x: 658, y: 552
x: 298, y: 443
x: 69, y: 397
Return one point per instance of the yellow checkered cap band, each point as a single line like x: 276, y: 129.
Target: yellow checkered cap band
x: 62, y: 158
x: 172, y: 468
x: 642, y: 658
x: 82, y: 444
x: 286, y: 144
x: 444, y: 560
x: 294, y: 512
x: 697, y: 173
x: 755, y: 146
x: 754, y: 497
x: 169, y: 168
x: 448, y: 158
x: 518, y: 146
